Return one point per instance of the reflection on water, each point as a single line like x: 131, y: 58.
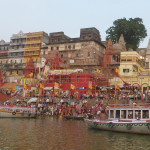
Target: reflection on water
x: 57, y: 134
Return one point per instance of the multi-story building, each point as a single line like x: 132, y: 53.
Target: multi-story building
x: 85, y: 52
x: 33, y: 45
x: 132, y: 70
x: 14, y: 63
x: 16, y: 48
x: 4, y: 47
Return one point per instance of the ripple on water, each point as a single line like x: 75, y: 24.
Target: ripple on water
x: 53, y: 134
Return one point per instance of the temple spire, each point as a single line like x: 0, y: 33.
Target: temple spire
x: 148, y: 47
x: 109, y: 46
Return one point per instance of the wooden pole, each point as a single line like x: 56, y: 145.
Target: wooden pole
x: 59, y: 83
x: 115, y: 92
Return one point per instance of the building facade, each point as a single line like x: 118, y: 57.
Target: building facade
x: 85, y: 52
x: 33, y: 45
x: 132, y: 71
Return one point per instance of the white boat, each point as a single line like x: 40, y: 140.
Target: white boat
x: 121, y: 118
x: 17, y: 112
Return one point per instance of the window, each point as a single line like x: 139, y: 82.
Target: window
x: 61, y: 55
x: 88, y: 53
x: 68, y: 79
x: 21, y: 61
x: 145, y: 114
x: 130, y: 114
x: 69, y: 46
x: 117, y: 113
x: 51, y: 79
x: 111, y: 114
x: 73, y: 46
x: 15, y: 61
x: 77, y: 78
x: 52, y: 48
x: 57, y: 47
x: 77, y: 55
x: 6, y: 61
x: 43, y: 52
x: 137, y: 114
x: 125, y: 70
x: 123, y: 114
x: 129, y: 59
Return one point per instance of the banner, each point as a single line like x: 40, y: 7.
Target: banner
x: 64, y: 71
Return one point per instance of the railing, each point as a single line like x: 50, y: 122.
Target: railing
x: 146, y: 105
x: 17, y: 108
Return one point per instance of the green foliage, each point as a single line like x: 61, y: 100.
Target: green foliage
x: 133, y: 31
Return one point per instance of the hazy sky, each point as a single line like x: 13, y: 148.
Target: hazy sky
x: 68, y: 16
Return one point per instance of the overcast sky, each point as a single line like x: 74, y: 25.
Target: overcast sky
x: 68, y: 16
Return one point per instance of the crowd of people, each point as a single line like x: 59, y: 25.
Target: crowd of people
x: 91, y: 105
x: 75, y: 109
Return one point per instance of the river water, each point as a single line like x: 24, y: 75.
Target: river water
x: 57, y: 134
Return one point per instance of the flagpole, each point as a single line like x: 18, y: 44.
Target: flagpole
x: 115, y: 92
x: 95, y: 86
x: 59, y: 83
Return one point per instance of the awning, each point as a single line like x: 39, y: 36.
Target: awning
x: 48, y: 88
x: 34, y: 99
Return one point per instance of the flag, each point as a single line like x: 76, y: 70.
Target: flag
x: 117, y: 86
x: 116, y: 74
x: 56, y: 84
x: 72, y: 86
x: 90, y: 86
x: 60, y: 60
x: 139, y: 69
x: 117, y: 70
x: 98, y: 71
x: 41, y: 86
x: 13, y: 88
x: 25, y: 86
x: 31, y: 74
x: 46, y: 61
x: 15, y: 74
x: 46, y: 73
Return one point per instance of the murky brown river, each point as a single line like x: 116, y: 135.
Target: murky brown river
x: 57, y: 134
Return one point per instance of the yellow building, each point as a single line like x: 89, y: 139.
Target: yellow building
x: 33, y: 45
x: 132, y: 70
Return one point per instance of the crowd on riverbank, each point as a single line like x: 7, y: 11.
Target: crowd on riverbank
x: 92, y: 105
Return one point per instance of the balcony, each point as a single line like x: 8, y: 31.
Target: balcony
x: 32, y: 54
x: 12, y: 66
x: 34, y: 41
x: 32, y: 48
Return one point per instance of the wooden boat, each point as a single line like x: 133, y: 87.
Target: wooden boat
x: 121, y: 118
x: 74, y: 117
x: 17, y: 112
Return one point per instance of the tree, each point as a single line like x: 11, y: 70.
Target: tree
x: 133, y: 31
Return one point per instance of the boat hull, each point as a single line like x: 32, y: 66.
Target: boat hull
x: 17, y: 115
x: 141, y: 127
x: 74, y: 117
